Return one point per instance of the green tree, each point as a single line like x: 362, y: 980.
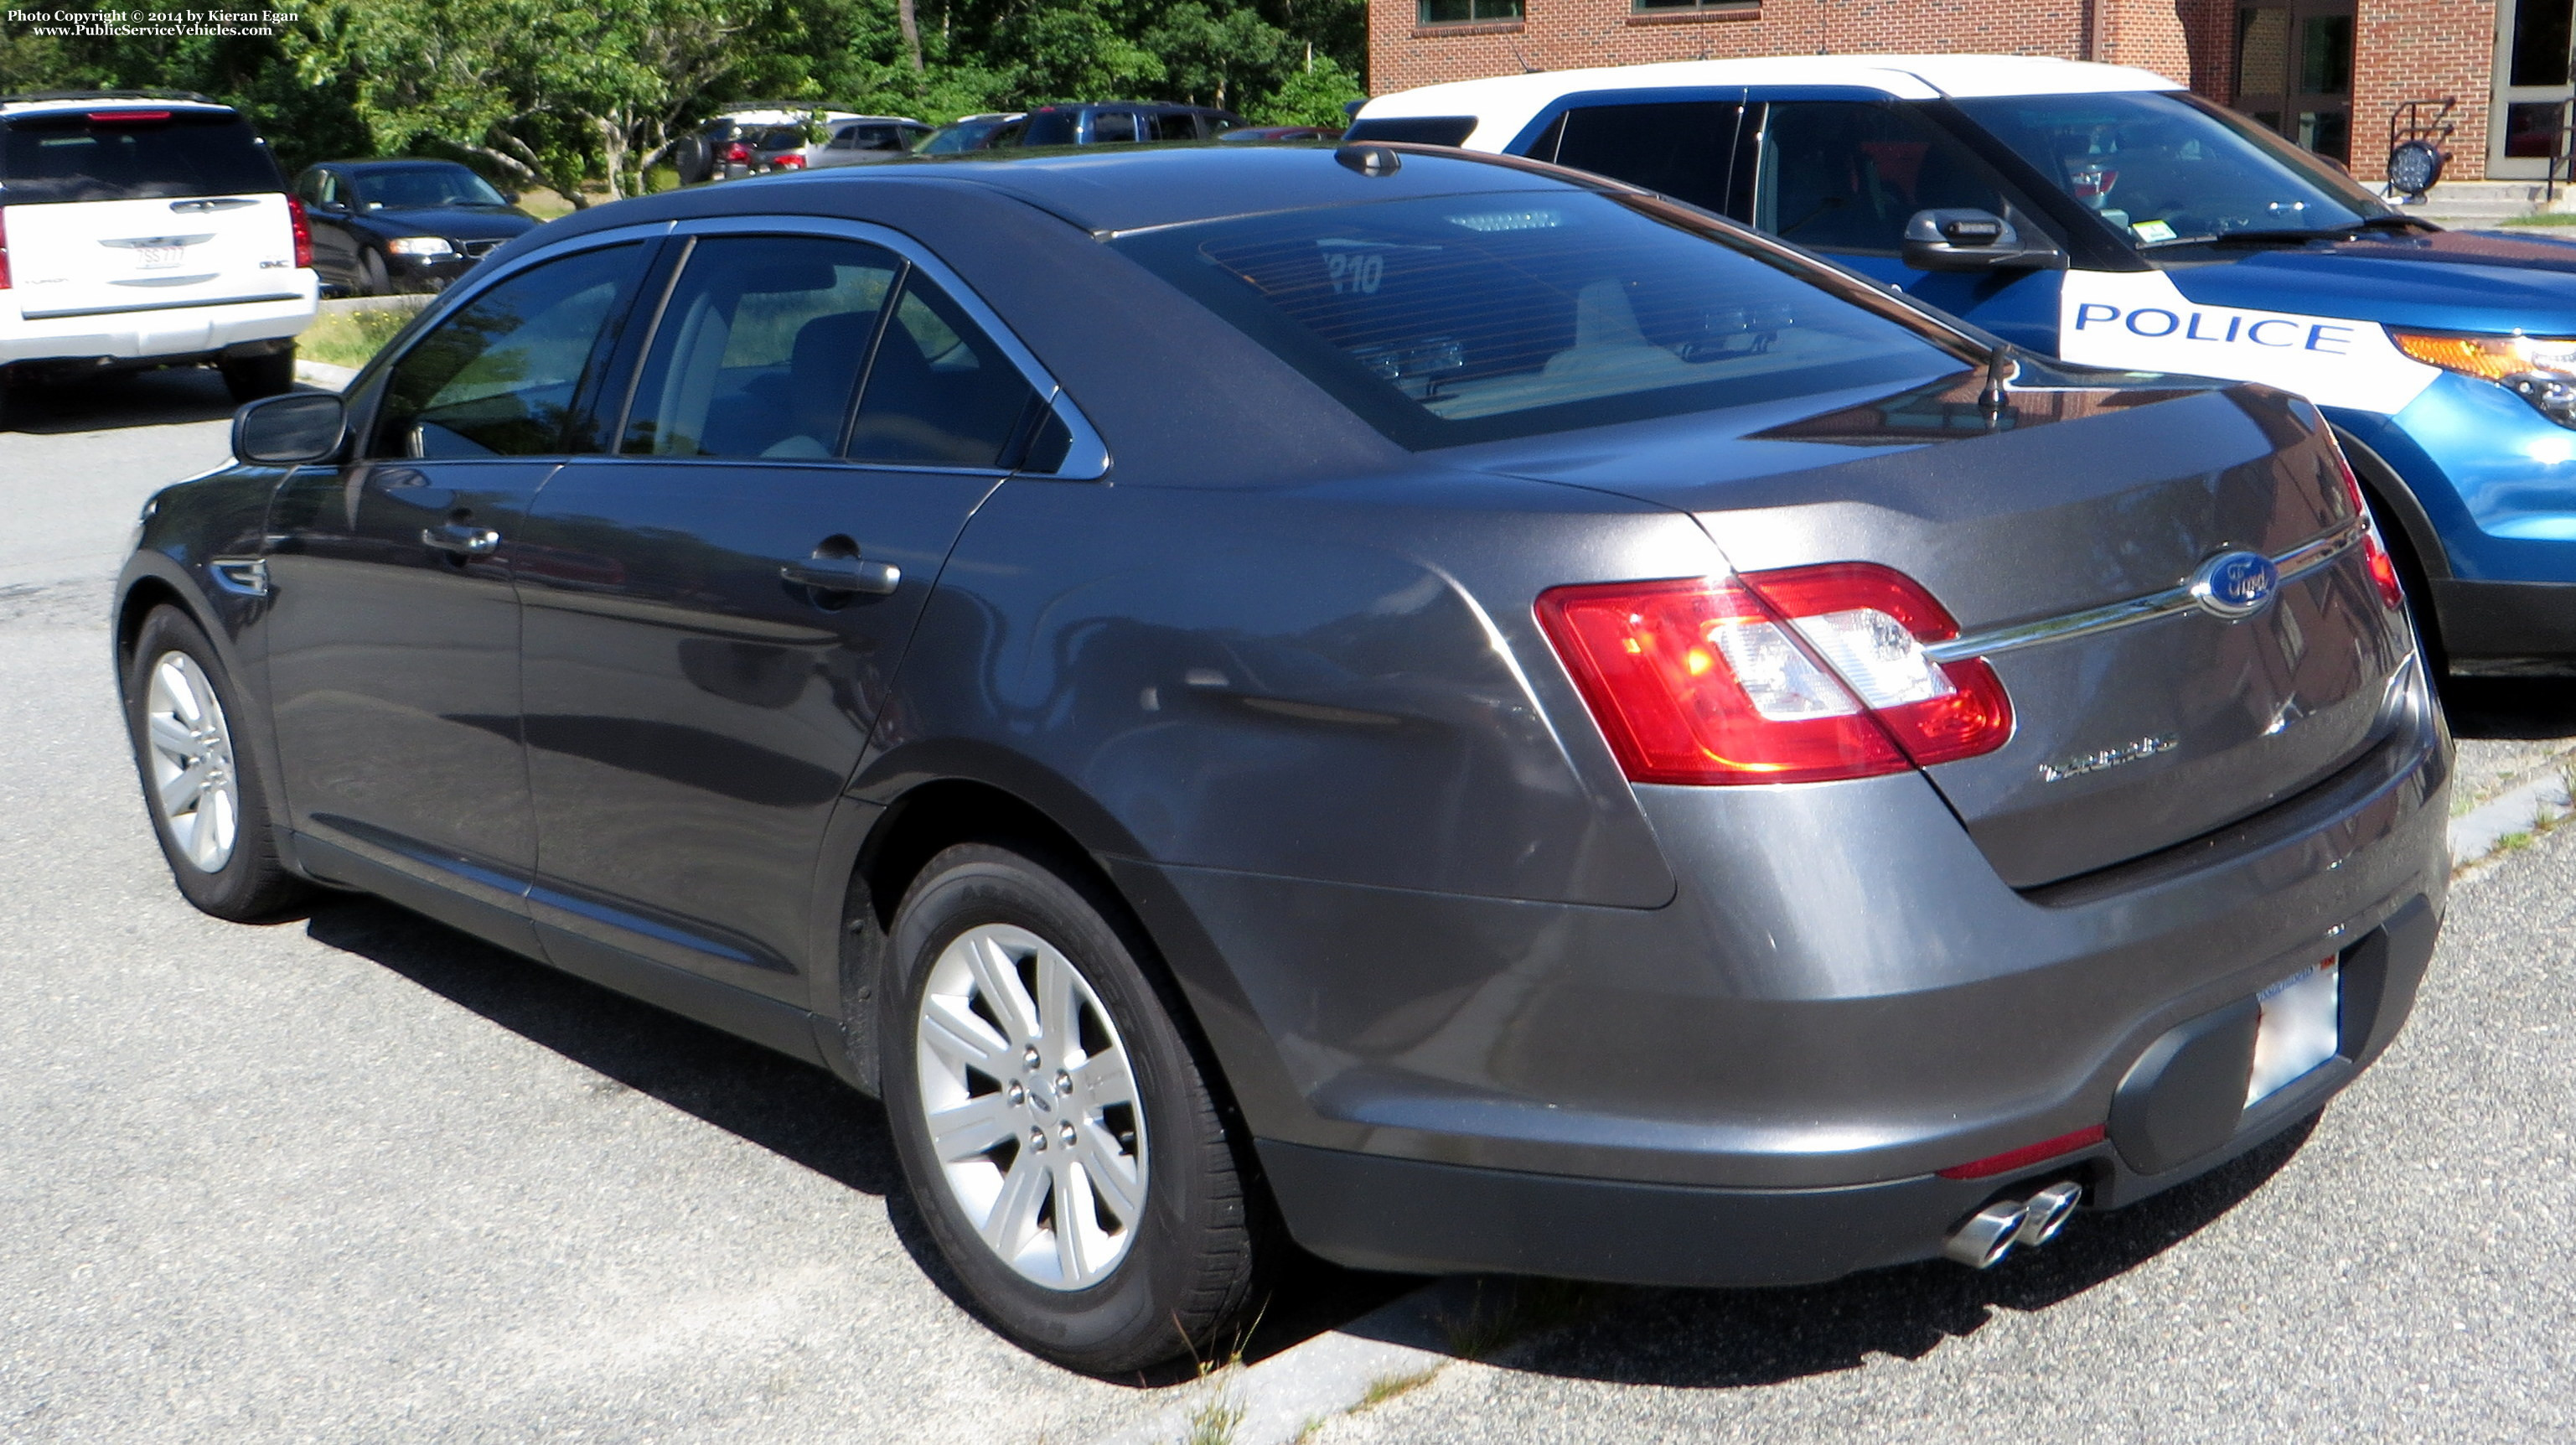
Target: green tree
x: 1315, y: 95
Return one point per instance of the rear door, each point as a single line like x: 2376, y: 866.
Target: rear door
x: 1683, y: 144
x: 715, y: 613
x: 125, y: 209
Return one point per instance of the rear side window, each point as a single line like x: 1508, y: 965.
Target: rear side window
x: 1429, y: 130
x: 1479, y: 317
x: 1843, y: 175
x: 1174, y: 125
x: 759, y: 349
x: 498, y: 376
x: 1680, y: 148
x: 1112, y: 127
x: 130, y: 155
x: 939, y: 392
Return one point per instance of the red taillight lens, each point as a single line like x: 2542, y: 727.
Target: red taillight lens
x: 737, y: 154
x: 2027, y: 1155
x: 303, y: 233
x: 127, y: 117
x: 791, y: 162
x: 1792, y: 676
x: 2383, y: 568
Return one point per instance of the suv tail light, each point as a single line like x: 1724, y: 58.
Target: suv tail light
x: 2383, y: 568
x: 737, y: 154
x: 1792, y: 676
x: 789, y: 162
x: 303, y: 233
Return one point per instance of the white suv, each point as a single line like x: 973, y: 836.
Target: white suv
x: 143, y: 230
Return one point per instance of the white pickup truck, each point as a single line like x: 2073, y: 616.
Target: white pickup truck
x: 141, y: 230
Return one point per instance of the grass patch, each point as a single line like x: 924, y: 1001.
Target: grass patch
x: 1388, y: 1387
x: 349, y: 338
x: 1514, y: 1308
x: 1215, y: 1422
x: 2542, y: 218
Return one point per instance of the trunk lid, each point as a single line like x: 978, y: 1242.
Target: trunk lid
x: 107, y: 214
x: 2127, y: 740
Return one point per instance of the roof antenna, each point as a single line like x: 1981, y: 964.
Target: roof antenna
x: 2001, y: 365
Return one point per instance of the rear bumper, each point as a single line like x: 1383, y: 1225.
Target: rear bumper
x: 1412, y: 1216
x: 162, y: 332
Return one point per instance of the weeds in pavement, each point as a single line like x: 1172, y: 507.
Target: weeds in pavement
x: 1387, y: 1387
x: 1514, y: 1308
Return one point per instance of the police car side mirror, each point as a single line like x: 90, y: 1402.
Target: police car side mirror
x: 1970, y: 240
x: 289, y: 430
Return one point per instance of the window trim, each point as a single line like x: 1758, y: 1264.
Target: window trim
x: 1424, y: 24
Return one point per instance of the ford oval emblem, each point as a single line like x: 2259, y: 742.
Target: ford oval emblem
x: 2235, y: 585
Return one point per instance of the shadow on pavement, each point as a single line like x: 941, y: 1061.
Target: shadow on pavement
x: 1720, y: 1339
x: 794, y: 1110
x: 120, y: 399
x: 2511, y: 707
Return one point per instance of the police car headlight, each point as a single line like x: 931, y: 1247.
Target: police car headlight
x: 2539, y: 369
x: 420, y: 246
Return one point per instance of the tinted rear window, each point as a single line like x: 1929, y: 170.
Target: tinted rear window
x: 1474, y: 318
x: 73, y: 158
x: 1429, y: 130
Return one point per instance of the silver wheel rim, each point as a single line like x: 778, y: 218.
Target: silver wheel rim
x: 1031, y: 1106
x: 190, y: 749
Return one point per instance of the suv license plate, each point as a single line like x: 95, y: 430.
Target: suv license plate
x: 2302, y: 1024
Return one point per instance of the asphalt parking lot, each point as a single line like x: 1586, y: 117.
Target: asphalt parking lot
x: 356, y: 1177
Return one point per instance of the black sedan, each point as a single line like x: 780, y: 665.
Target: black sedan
x: 1470, y: 717
x: 403, y: 225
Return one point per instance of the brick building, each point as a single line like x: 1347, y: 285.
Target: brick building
x: 2330, y: 74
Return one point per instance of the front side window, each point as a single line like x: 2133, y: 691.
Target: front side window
x: 1842, y: 175
x: 498, y: 377
x: 1468, y: 12
x: 1479, y: 317
x: 129, y: 154
x: 2164, y: 170
x: 760, y: 349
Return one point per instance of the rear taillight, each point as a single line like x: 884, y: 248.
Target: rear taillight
x: 303, y: 233
x: 737, y: 154
x: 1792, y: 676
x: 2374, y: 551
x: 790, y: 162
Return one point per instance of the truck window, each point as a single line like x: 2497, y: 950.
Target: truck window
x: 127, y: 155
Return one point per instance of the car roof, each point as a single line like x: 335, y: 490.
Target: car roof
x: 1504, y: 104
x: 1099, y: 189
x: 54, y: 102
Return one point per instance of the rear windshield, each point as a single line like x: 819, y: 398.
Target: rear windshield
x: 777, y: 138
x: 104, y: 156
x: 1480, y: 317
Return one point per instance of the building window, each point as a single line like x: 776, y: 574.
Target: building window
x: 2294, y: 71
x: 1469, y: 12
x: 1692, y: 7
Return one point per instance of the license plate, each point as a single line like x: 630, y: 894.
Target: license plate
x: 2302, y: 1026
x: 158, y: 258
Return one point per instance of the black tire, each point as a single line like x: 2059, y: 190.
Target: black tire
x: 1196, y: 1254
x: 373, y: 279
x: 249, y: 378
x: 252, y: 883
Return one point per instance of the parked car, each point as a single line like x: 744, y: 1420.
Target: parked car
x: 144, y: 229
x: 1257, y: 134
x: 864, y: 141
x: 1611, y: 748
x: 382, y: 226
x: 973, y: 133
x: 748, y: 140
x: 1114, y: 122
x: 2105, y: 215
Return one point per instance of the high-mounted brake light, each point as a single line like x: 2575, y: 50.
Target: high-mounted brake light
x: 1792, y: 676
x: 303, y: 230
x: 126, y: 117
x: 2383, y: 568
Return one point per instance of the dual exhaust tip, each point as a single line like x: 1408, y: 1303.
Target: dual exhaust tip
x: 2008, y: 1224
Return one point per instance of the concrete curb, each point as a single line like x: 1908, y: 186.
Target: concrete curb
x: 1324, y: 1377
x: 325, y: 375
x: 2475, y: 834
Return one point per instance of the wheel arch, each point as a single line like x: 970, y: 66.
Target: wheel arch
x: 2414, y: 543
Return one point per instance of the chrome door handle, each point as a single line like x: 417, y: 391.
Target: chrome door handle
x: 463, y: 540
x: 844, y: 574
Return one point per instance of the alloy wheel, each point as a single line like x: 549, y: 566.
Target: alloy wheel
x: 1031, y: 1106
x: 191, y: 751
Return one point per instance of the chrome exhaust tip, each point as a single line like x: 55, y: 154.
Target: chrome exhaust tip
x: 2046, y: 1212
x: 1988, y: 1236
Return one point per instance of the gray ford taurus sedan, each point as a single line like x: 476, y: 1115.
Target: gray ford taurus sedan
x: 1454, y: 713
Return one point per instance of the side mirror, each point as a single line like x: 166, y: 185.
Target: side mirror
x: 1968, y: 240
x: 290, y: 430
x: 510, y: 196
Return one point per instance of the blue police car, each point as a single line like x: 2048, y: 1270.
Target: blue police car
x: 2105, y: 215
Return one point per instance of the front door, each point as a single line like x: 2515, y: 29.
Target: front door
x: 2294, y: 71
x: 715, y: 614
x: 394, y: 634
x: 2531, y: 88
